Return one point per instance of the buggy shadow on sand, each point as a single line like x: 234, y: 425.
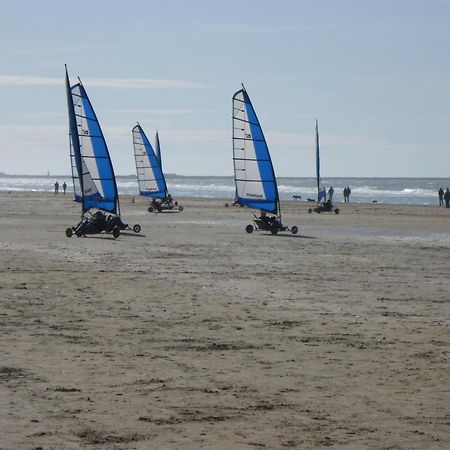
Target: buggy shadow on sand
x: 272, y: 224
x: 100, y: 222
x: 324, y: 207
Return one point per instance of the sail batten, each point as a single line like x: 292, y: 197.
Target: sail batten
x: 148, y: 166
x: 253, y: 170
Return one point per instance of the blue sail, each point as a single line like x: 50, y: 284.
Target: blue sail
x: 92, y: 170
x: 254, y: 176
x: 148, y: 166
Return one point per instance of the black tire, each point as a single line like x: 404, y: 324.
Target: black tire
x: 274, y: 229
x: 294, y: 229
x: 150, y: 209
x: 180, y: 208
x: 309, y: 210
x: 249, y: 229
x: 227, y: 205
x: 336, y: 211
x: 69, y: 232
x: 116, y: 233
x: 137, y: 228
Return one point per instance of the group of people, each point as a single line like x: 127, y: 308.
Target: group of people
x: 56, y: 186
x: 323, y: 194
x: 444, y: 196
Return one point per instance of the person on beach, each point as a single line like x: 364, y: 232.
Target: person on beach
x: 346, y: 193
x: 441, y: 196
x: 349, y: 191
x: 330, y: 193
x: 56, y: 187
x: 447, y: 198
x: 64, y: 188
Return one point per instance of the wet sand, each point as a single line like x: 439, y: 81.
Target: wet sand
x: 197, y: 335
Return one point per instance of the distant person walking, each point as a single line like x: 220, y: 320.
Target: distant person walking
x: 441, y: 196
x: 447, y: 198
x: 64, y: 188
x: 56, y: 187
x: 349, y: 191
x: 330, y: 193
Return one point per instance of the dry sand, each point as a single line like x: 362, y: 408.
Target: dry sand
x: 197, y: 335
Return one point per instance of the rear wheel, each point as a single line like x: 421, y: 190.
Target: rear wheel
x: 227, y: 205
x: 294, y: 229
x: 310, y: 210
x: 137, y: 228
x: 69, y: 232
x: 150, y: 209
x: 274, y: 229
x: 116, y: 233
x: 180, y: 208
x: 249, y: 229
x: 336, y: 211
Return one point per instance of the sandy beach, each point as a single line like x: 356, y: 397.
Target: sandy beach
x: 196, y: 335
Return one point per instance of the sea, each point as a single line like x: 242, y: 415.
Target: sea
x: 411, y: 191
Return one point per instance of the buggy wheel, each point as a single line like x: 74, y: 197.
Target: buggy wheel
x: 150, y: 209
x: 227, y: 205
x: 180, y: 208
x: 69, y: 232
x: 116, y: 233
x: 336, y: 211
x: 137, y: 228
x: 274, y: 228
x: 249, y: 229
x: 294, y: 229
x: 309, y: 211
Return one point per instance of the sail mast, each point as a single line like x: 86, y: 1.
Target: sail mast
x: 317, y: 162
x: 75, y: 140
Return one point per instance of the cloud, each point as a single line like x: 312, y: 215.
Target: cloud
x: 119, y: 83
x: 165, y: 112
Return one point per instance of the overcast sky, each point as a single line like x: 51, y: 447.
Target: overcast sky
x: 376, y: 74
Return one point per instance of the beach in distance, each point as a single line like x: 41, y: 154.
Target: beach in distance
x: 194, y: 334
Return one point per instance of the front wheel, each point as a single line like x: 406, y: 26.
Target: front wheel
x: 249, y: 229
x: 180, y: 208
x: 116, y: 233
x: 294, y: 230
x: 336, y: 211
x: 137, y: 228
x: 309, y: 210
x: 69, y: 232
x: 150, y: 209
x: 227, y: 205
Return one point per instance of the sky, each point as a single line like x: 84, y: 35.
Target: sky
x: 376, y: 75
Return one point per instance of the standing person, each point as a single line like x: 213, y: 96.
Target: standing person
x: 56, y: 187
x: 349, y: 191
x: 64, y: 188
x: 346, y: 194
x: 447, y: 198
x: 441, y: 196
x: 330, y: 193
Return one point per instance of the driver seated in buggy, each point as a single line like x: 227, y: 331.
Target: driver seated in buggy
x: 265, y: 222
